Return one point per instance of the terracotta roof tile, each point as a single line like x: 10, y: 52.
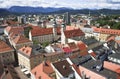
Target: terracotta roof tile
x: 112, y: 66
x: 21, y: 39
x: 4, y: 47
x: 17, y: 29
x: 37, y: 31
x: 110, y: 38
x: 47, y: 68
x: 12, y: 22
x: 106, y: 31
x: 26, y: 50
x: 73, y: 33
x: 77, y: 69
x: 67, y: 50
x: 81, y: 45
x: 41, y: 31
x: 43, y: 70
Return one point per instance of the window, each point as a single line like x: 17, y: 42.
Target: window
x: 34, y: 73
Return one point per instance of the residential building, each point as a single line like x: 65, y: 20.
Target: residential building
x: 88, y: 31
x: 103, y: 33
x: 1, y: 70
x: 13, y: 29
x: 30, y: 57
x: 114, y: 58
x: 6, y: 53
x: 95, y: 69
x: 63, y: 70
x: 20, y: 41
x: 10, y: 73
x: 43, y: 71
x: 43, y: 34
x: 70, y: 34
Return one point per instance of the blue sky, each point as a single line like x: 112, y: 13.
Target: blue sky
x: 75, y: 4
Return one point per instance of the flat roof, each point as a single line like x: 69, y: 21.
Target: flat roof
x: 80, y: 59
x: 89, y: 41
x: 115, y: 55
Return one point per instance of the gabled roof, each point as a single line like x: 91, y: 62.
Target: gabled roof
x: 14, y: 29
x: 37, y: 31
x: 41, y: 31
x: 30, y: 51
x: 106, y: 31
x: 12, y: 22
x: 112, y: 66
x: 12, y: 74
x: 4, y: 47
x: 43, y: 70
x: 21, y: 39
x: 73, y: 33
x: 81, y: 45
x: 63, y: 67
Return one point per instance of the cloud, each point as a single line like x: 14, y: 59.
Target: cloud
x: 76, y: 4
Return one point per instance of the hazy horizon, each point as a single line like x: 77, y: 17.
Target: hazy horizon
x: 75, y: 4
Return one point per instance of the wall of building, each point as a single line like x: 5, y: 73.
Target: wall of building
x: 18, y: 46
x: 24, y: 61
x: 7, y: 57
x: 44, y: 38
x: 36, y: 60
x: 89, y: 73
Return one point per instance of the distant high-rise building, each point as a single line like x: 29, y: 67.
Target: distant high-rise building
x: 67, y: 18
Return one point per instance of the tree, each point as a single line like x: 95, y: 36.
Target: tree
x: 26, y: 31
x: 45, y: 44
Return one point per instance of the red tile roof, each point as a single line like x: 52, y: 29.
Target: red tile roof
x: 93, y: 54
x: 71, y: 28
x: 17, y: 29
x: 112, y: 66
x: 82, y: 48
x: 41, y: 31
x: 67, y: 50
x: 110, y: 38
x: 106, y: 31
x: 43, y: 70
x: 73, y: 33
x: 12, y: 22
x: 26, y: 50
x: 81, y: 45
x: 47, y: 68
x: 4, y: 47
x: 77, y: 69
x: 21, y: 39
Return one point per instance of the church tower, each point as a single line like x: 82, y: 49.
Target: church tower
x: 63, y: 28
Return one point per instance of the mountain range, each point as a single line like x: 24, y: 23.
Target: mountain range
x: 48, y: 10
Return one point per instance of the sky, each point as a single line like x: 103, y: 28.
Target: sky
x: 75, y: 4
